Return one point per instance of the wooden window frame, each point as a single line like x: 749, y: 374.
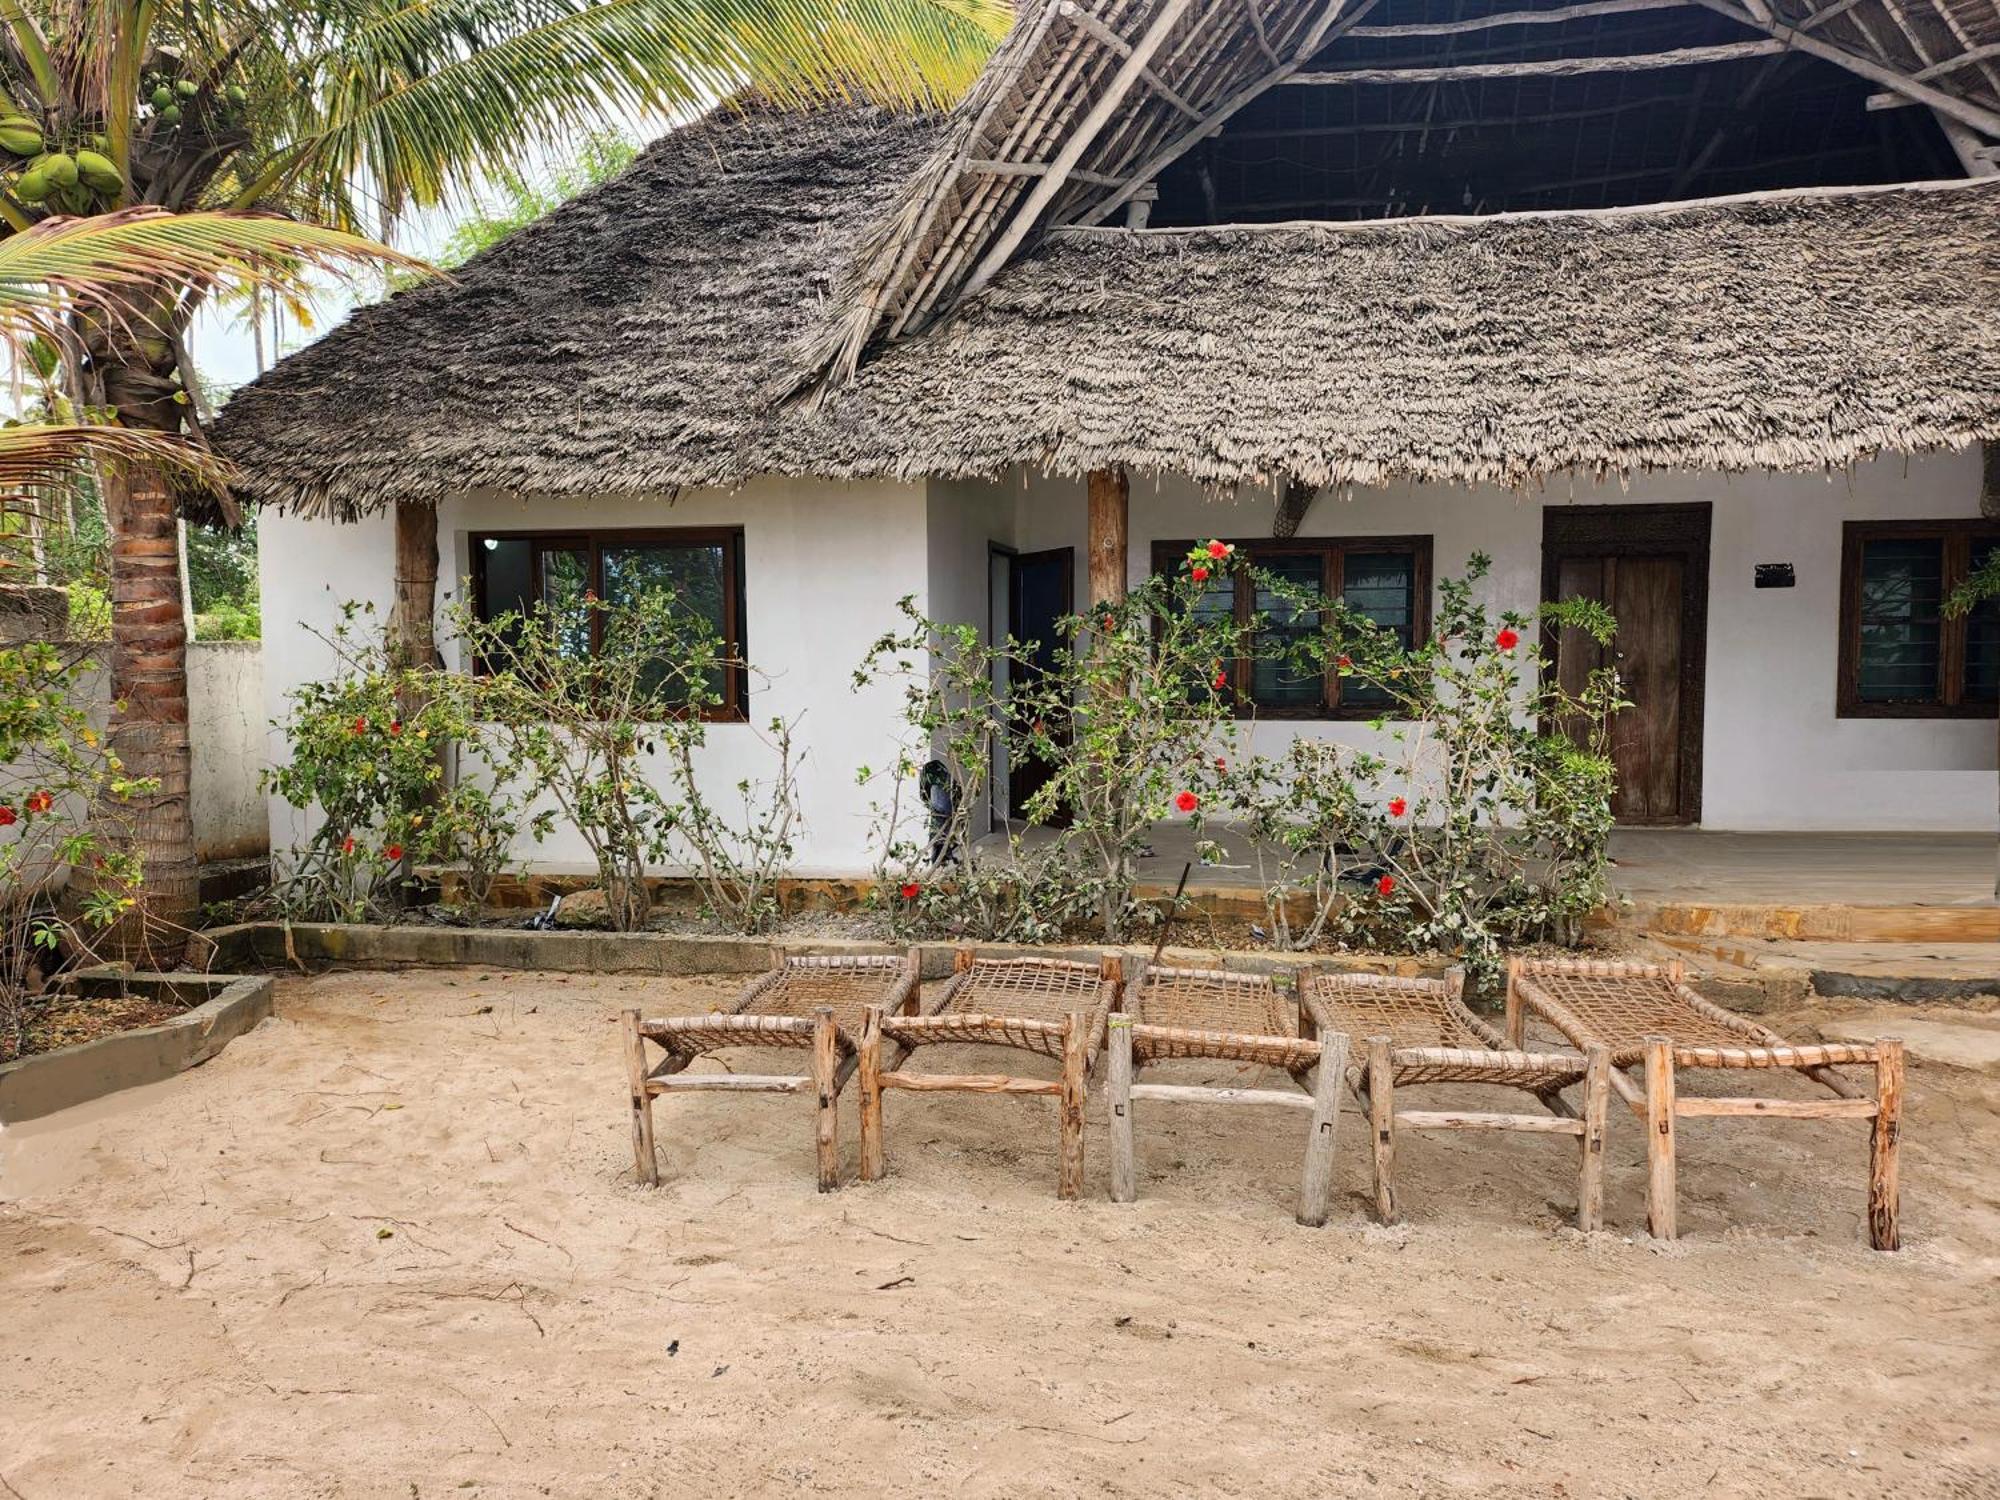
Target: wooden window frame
x: 735, y: 705
x: 1958, y: 536
x: 1170, y: 555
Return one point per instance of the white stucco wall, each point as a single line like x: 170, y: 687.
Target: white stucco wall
x: 1775, y: 756
x: 824, y: 564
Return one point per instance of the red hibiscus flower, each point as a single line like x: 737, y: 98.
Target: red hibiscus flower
x: 1397, y: 807
x: 360, y: 726
x: 910, y: 889
x: 1217, y: 550
x: 1386, y: 884
x: 1506, y: 640
x: 1108, y: 623
x: 8, y: 817
x: 1221, y: 681
x: 395, y: 726
x: 393, y: 853
x: 1343, y: 660
x: 1198, y: 574
x: 1221, y: 764
x: 1187, y: 802
x: 39, y: 802
x: 347, y: 844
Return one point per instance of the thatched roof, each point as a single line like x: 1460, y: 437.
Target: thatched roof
x: 637, y: 340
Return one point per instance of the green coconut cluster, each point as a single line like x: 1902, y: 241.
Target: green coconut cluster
x: 73, y: 178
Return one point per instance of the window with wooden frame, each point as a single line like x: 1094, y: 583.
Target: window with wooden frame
x: 1901, y: 656
x: 1386, y: 578
x: 516, y: 571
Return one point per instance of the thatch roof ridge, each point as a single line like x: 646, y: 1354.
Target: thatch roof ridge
x: 634, y: 342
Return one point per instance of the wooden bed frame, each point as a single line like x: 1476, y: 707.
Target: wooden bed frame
x: 1056, y: 1008
x: 809, y: 1003
x: 1649, y: 1017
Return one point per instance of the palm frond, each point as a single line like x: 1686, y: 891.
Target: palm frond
x: 61, y: 259
x: 34, y: 457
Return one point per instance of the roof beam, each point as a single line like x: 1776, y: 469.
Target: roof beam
x: 1036, y: 169
x: 1973, y: 154
x: 1332, y: 23
x: 1521, y: 18
x: 1038, y: 198
x: 1551, y: 67
x: 1961, y: 110
x: 1077, y: 16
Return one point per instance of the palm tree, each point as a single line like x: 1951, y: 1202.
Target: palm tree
x: 349, y: 113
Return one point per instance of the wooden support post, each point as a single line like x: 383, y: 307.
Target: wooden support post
x: 412, y: 622
x: 645, y: 1165
x: 961, y: 960
x: 1660, y: 1217
x: 869, y: 1077
x: 1382, y: 1124
x: 1316, y: 1185
x: 1884, y: 1187
x: 1596, y: 1101
x: 826, y: 1090
x: 1124, y: 1173
x: 1111, y: 966
x: 1110, y: 495
x: 1517, y: 1023
x: 1075, y: 1064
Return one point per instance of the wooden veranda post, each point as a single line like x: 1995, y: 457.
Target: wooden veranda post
x: 413, y: 613
x: 1110, y: 496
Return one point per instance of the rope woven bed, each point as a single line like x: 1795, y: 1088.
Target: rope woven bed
x: 808, y: 1003
x: 1414, y: 1032
x: 1647, y: 1015
x: 1184, y: 1013
x: 1051, y: 1007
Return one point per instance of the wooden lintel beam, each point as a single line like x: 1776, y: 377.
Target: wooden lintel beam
x: 1964, y: 111
x: 1551, y: 67
x: 1520, y: 18
x: 1084, y: 21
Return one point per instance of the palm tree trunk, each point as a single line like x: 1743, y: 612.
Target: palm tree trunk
x: 148, y: 663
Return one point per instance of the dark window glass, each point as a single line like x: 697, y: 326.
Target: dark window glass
x: 1982, y: 635
x: 1275, y: 681
x: 1382, y: 586
x: 1902, y: 591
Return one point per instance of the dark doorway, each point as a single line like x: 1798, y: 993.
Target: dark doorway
x: 1648, y: 564
x: 1041, y: 590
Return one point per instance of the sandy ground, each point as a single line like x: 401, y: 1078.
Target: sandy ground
x: 389, y: 1245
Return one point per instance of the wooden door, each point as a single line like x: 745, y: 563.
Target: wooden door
x: 1648, y: 566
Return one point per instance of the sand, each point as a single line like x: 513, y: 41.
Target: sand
x: 388, y: 1245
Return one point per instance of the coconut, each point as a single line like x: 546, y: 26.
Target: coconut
x: 187, y: 88
x: 32, y: 186
x: 98, y: 172
x: 162, y: 97
x: 171, y: 114
x: 237, y: 94
x: 60, y: 169
x: 22, y: 142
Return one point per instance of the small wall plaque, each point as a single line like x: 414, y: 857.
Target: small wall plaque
x: 1776, y: 576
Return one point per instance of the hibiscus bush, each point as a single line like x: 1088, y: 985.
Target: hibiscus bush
x: 612, y: 737
x: 53, y: 768
x: 1485, y: 818
x: 939, y: 872
x: 370, y: 746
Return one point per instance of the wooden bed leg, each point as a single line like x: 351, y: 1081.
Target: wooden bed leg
x: 1075, y: 1065
x: 1596, y: 1100
x: 961, y: 960
x: 1382, y: 1124
x: 826, y: 1090
x: 1316, y: 1186
x: 1660, y: 1217
x: 1124, y: 1174
x: 869, y: 1078
x: 645, y: 1166
x: 1884, y: 1187
x: 1517, y: 1024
